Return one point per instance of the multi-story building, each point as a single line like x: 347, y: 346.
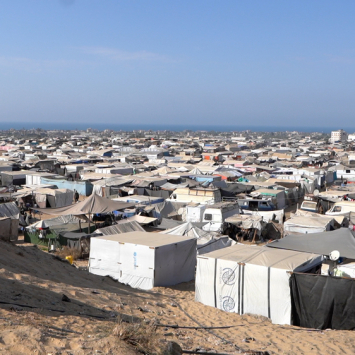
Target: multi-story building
x: 338, y: 136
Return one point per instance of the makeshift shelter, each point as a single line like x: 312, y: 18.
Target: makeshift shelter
x: 10, y: 210
x: 249, y: 279
x: 307, y: 224
x: 53, y: 197
x: 92, y: 204
x: 142, y: 220
x: 206, y: 241
x: 77, y: 240
x: 168, y: 223
x: 5, y: 228
x: 323, y: 243
x: 139, y: 199
x: 122, y: 226
x: 47, y: 232
x: 83, y: 187
x: 277, y: 215
x: 323, y: 302
x: 107, y: 187
x: 278, y: 197
x: 144, y: 260
x: 246, y: 226
x: 194, y: 212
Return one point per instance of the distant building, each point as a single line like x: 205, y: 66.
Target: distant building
x: 338, y: 136
x: 351, y: 137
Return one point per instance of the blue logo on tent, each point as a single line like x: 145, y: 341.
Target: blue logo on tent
x: 135, y: 259
x: 228, y: 276
x: 228, y: 304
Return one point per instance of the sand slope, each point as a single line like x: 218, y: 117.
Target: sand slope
x: 35, y: 320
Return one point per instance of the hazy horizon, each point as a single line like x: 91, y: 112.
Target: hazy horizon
x: 161, y: 127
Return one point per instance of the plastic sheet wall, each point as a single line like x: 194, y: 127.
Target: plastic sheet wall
x: 323, y: 302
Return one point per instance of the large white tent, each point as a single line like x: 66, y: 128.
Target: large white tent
x: 249, y: 279
x: 144, y: 260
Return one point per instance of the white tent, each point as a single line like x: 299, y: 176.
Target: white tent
x: 144, y: 260
x: 308, y: 224
x: 249, y: 279
x: 206, y: 241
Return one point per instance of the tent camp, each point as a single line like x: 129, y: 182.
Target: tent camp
x: 206, y: 241
x: 320, y: 243
x: 144, y: 260
x: 249, y: 279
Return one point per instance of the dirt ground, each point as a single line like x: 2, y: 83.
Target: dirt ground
x: 34, y: 319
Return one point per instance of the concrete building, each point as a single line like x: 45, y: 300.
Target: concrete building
x: 338, y: 136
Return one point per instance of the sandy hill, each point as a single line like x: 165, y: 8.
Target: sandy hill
x: 34, y: 319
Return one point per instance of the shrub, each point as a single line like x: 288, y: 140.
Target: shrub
x: 66, y: 251
x: 141, y: 335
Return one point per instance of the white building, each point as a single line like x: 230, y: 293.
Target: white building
x: 338, y: 136
x: 351, y: 137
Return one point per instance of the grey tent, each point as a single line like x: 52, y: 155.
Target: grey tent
x: 123, y: 226
x: 320, y: 243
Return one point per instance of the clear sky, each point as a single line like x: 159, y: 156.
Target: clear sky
x: 179, y: 62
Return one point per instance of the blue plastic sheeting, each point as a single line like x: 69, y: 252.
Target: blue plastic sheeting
x: 83, y: 187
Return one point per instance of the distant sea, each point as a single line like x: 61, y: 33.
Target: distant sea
x: 162, y: 127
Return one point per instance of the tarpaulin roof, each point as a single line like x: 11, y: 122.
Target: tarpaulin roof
x: 93, y: 204
x: 141, y: 219
x: 206, y: 241
x: 287, y: 260
x: 169, y: 186
x: 246, y: 221
x: 320, y: 243
x: 123, y: 226
x: 10, y: 209
x: 235, y: 188
x: 308, y: 221
x: 46, y: 223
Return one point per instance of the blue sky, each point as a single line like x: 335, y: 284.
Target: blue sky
x: 178, y: 62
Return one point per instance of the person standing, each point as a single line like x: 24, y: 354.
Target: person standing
x: 76, y: 196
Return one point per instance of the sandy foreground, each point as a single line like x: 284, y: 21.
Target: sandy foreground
x: 35, y: 320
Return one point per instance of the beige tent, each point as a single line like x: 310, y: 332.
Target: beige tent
x: 93, y: 204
